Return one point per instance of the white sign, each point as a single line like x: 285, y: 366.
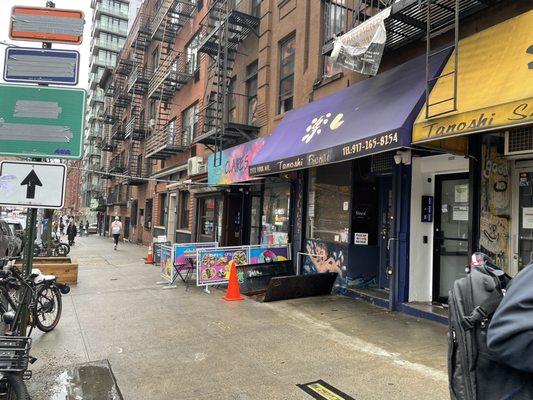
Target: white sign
x: 461, y: 193
x: 361, y: 48
x: 32, y: 184
x: 460, y: 213
x: 360, y: 238
x: 527, y: 217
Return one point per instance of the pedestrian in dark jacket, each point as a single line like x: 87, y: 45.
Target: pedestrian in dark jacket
x: 72, y: 231
x: 510, y: 333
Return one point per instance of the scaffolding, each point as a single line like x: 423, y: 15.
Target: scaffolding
x: 226, y: 25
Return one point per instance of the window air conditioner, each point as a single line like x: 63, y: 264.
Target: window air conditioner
x: 151, y: 123
x: 196, y: 166
x: 519, y: 142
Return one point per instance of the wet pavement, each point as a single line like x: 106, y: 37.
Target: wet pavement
x: 177, y: 344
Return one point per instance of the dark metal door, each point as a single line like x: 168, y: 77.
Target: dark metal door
x: 450, y: 236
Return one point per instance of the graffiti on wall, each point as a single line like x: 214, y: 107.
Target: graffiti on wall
x: 495, y: 206
x: 330, y: 257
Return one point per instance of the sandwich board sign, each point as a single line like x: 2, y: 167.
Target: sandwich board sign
x: 32, y: 65
x: 32, y: 184
x: 40, y: 121
x: 40, y: 24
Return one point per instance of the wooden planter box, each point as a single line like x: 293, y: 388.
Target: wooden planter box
x: 64, y: 268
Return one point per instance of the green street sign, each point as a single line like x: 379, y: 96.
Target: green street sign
x: 40, y: 121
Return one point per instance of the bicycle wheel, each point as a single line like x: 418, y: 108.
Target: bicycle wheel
x: 13, y: 387
x: 48, y: 306
x: 62, y: 249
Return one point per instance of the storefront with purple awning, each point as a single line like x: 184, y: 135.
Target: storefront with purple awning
x: 348, y: 156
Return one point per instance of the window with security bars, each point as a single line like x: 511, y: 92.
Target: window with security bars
x: 382, y: 163
x: 520, y: 140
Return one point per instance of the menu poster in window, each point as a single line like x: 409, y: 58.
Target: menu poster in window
x: 527, y: 218
x: 213, y: 264
x: 461, y: 193
x: 268, y: 254
x: 165, y: 262
x: 460, y: 213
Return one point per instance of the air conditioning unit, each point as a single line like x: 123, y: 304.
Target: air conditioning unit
x: 196, y: 166
x: 519, y: 142
x: 151, y: 123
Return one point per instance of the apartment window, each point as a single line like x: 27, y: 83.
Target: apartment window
x: 189, y: 120
x: 256, y: 8
x: 171, y: 131
x: 335, y: 24
x: 184, y: 210
x: 163, y: 210
x: 193, y: 56
x: 148, y: 214
x: 153, y: 109
x: 251, y: 93
x: 155, y: 58
x: 286, y: 75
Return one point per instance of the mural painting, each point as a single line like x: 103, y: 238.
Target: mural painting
x: 495, y: 206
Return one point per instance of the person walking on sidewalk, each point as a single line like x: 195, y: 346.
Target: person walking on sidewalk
x: 72, y: 231
x: 116, y: 229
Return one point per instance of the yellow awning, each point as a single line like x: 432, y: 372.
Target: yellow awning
x: 494, y: 85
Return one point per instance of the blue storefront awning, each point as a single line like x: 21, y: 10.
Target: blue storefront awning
x: 370, y: 117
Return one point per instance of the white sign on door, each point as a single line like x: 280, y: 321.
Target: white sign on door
x: 361, y: 238
x: 32, y: 184
x: 527, y: 217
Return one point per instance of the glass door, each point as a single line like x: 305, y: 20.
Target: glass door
x: 450, y: 234
x: 523, y: 231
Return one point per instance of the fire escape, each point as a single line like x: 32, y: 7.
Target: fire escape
x: 409, y: 21
x: 169, y: 76
x: 227, y: 24
x: 136, y: 87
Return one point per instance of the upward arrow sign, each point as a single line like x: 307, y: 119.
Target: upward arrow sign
x: 31, y: 181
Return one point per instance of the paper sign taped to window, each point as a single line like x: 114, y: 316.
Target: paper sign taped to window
x: 361, y: 238
x: 527, y: 217
x: 460, y: 213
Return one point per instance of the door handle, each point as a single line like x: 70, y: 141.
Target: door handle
x: 389, y: 242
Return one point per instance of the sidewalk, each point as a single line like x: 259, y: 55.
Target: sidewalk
x: 178, y: 344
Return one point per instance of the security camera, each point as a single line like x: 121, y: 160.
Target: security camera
x: 398, y: 158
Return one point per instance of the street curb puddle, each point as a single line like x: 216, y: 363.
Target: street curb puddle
x: 87, y: 381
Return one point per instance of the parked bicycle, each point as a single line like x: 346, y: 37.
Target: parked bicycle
x: 26, y: 302
x: 57, y: 249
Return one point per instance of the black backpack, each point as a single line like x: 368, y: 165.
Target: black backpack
x: 474, y: 374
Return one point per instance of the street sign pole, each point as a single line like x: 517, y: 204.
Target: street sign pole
x: 31, y: 221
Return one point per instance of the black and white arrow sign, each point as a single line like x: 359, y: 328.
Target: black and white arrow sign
x: 32, y: 184
x: 31, y: 181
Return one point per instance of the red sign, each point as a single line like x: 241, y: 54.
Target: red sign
x: 46, y: 25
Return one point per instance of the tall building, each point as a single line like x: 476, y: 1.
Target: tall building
x: 109, y: 31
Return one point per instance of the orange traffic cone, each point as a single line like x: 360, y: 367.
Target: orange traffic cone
x: 150, y: 255
x: 233, y: 293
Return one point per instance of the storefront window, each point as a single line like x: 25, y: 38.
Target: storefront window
x: 210, y: 228
x: 255, y: 219
x: 328, y: 215
x: 275, y: 217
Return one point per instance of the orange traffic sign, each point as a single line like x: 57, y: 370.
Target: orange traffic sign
x: 46, y: 25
